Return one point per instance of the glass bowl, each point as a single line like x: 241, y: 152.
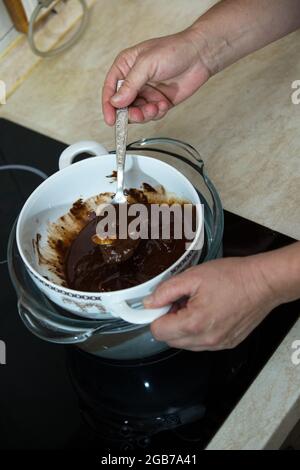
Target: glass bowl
x: 114, y: 338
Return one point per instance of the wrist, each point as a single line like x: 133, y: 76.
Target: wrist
x: 201, y: 43
x: 280, y: 271
x: 257, y: 282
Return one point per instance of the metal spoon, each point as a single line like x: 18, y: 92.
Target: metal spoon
x: 121, y: 130
x: 121, y: 142
x: 115, y: 250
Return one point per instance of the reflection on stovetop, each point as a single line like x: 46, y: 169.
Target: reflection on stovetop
x: 56, y: 397
x: 132, y: 405
x: 171, y: 397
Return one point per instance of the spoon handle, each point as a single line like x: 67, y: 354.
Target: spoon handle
x: 121, y: 141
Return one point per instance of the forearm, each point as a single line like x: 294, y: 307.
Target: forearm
x: 280, y: 271
x: 234, y: 28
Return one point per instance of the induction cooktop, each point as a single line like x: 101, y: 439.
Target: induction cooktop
x: 51, y: 395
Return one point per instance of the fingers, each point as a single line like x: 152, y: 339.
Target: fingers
x: 137, y: 71
x: 175, y: 324
x: 163, y: 108
x: 145, y: 112
x: 137, y: 77
x: 108, y: 91
x: 149, y: 95
x: 187, y: 329
x: 182, y: 330
x: 109, y: 113
x: 171, y: 327
x: 217, y: 315
x: 173, y: 289
x: 118, y: 71
x: 149, y: 106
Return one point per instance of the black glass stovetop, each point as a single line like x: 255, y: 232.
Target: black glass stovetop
x: 56, y: 397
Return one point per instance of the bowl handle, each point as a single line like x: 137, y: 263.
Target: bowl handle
x: 138, y: 316
x: 85, y: 146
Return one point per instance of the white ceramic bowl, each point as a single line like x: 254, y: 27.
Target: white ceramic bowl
x: 84, y: 179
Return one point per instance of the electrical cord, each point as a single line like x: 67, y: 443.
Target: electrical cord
x: 52, y: 52
x: 29, y: 168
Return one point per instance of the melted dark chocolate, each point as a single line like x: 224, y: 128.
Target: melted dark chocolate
x: 87, y: 270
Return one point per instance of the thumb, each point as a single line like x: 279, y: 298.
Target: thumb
x: 171, y: 290
x: 133, y: 83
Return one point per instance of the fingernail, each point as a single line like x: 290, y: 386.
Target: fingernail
x: 116, y: 98
x: 119, y: 96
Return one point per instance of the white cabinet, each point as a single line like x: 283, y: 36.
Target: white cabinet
x: 7, y: 29
x: 5, y: 21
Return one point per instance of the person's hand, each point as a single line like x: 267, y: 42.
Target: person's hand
x: 158, y: 73
x: 226, y: 300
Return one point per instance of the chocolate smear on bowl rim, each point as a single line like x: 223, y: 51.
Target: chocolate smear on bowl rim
x: 54, y: 253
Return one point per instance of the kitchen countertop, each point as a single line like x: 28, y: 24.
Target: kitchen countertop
x: 243, y: 120
x: 244, y: 124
